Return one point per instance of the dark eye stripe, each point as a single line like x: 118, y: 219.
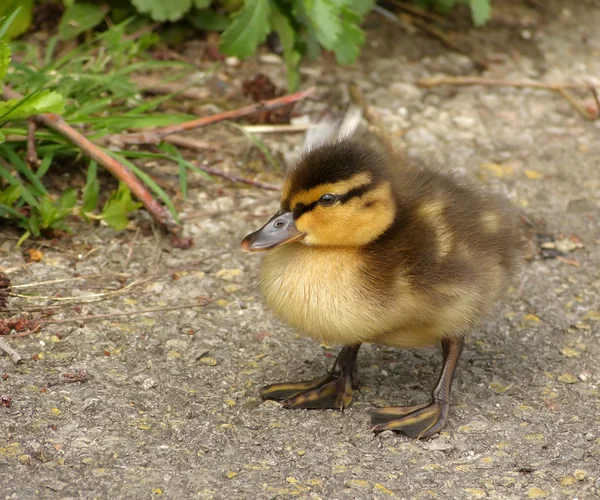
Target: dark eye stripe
x: 354, y: 193
x: 301, y: 209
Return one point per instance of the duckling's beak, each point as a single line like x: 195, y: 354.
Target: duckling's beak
x: 279, y: 230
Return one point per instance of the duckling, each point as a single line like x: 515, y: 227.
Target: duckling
x: 370, y: 247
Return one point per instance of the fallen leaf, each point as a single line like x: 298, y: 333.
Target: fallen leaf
x: 34, y: 255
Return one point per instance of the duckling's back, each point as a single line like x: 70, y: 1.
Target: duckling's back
x: 455, y: 246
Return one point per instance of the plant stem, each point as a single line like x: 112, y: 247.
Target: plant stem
x: 117, y: 169
x: 238, y: 179
x: 560, y: 88
x: 14, y: 355
x: 32, y: 157
x: 154, y: 136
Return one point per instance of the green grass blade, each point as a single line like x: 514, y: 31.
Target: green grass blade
x: 259, y: 144
x: 45, y: 165
x: 146, y: 179
x: 23, y: 169
x: 10, y: 211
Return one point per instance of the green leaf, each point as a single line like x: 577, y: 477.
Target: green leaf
x: 118, y: 206
x: 91, y: 190
x: 208, y: 20
x: 325, y: 18
x: 20, y: 15
x: 249, y: 28
x: 10, y: 195
x: 481, y: 11
x: 163, y: 10
x: 10, y: 213
x: 362, y: 7
x: 2, y: 137
x: 351, y: 38
x: 67, y: 200
x: 281, y: 24
x: 45, y: 101
x: 202, y: 4
x: 23, y: 169
x: 4, y: 59
x: 146, y: 179
x: 79, y: 18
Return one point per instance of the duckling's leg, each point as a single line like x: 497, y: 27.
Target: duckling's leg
x: 427, y: 419
x: 334, y: 390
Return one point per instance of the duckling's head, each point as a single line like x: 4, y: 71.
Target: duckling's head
x: 339, y: 194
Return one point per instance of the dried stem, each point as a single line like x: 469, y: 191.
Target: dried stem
x: 438, y: 81
x: 560, y: 88
x: 32, y: 157
x: 154, y: 136
x: 55, y: 122
x: 83, y: 319
x: 14, y: 355
x: 238, y: 179
x: 191, y: 143
x: 416, y: 11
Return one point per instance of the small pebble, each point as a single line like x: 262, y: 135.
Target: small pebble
x: 149, y: 383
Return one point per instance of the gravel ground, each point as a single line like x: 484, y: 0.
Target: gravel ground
x: 170, y: 403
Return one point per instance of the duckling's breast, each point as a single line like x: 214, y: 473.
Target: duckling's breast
x: 320, y: 292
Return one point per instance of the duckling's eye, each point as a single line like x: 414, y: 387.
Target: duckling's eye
x: 327, y: 200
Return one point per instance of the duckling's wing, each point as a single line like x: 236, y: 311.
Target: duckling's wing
x: 328, y: 130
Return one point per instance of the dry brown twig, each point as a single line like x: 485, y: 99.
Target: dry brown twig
x: 55, y: 122
x: 83, y: 319
x: 418, y: 20
x: 14, y: 355
x: 154, y: 136
x: 560, y: 88
x: 237, y: 178
x: 32, y: 157
x: 157, y: 86
x: 191, y: 143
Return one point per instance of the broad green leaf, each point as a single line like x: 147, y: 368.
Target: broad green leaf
x: 208, y: 20
x: 362, y: 7
x: 351, y: 37
x: 325, y: 17
x: 249, y: 28
x: 20, y: 15
x: 10, y: 195
x: 118, y: 206
x: 163, y: 10
x: 68, y: 199
x: 481, y: 11
x: 4, y: 59
x: 79, y: 18
x: 281, y: 24
x: 45, y: 101
x: 202, y: 4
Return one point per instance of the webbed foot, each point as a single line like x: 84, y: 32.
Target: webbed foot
x: 420, y: 421
x: 334, y: 390
x: 424, y: 420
